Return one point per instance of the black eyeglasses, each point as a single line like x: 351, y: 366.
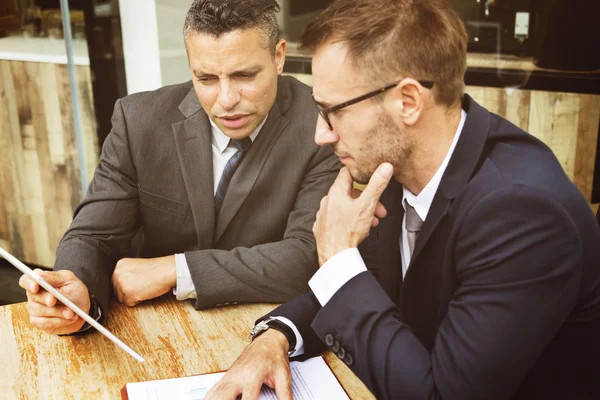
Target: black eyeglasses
x: 326, y: 111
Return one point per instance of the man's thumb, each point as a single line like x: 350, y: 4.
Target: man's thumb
x: 54, y: 278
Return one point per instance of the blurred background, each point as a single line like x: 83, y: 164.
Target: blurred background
x: 535, y: 62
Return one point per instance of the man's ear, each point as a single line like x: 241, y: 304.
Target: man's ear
x: 280, y: 52
x: 407, y: 101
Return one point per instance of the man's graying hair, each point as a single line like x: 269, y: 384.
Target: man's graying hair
x: 217, y: 17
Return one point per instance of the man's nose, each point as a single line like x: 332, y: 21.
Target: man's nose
x: 323, y: 135
x: 229, y: 96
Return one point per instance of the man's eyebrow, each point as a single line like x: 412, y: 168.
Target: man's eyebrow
x: 202, y: 73
x: 320, y: 103
x: 250, y: 70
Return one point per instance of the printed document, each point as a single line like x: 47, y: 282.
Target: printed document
x: 311, y: 380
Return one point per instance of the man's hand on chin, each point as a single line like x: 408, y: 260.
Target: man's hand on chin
x: 137, y: 279
x: 346, y: 215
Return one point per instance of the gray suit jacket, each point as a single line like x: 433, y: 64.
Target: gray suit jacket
x: 152, y: 195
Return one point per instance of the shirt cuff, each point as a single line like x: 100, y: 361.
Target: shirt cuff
x: 334, y: 274
x: 299, y: 341
x: 185, y: 286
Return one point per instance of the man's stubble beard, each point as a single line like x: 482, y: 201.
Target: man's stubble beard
x: 383, y: 143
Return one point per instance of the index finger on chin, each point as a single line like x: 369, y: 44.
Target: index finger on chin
x: 378, y: 182
x: 344, y: 180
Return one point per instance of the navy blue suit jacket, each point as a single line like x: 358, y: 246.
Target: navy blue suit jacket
x: 502, y: 296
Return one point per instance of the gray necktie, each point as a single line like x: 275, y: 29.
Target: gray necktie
x: 242, y: 146
x: 413, y: 226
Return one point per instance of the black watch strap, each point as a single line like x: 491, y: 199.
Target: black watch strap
x: 281, y: 327
x: 95, y: 313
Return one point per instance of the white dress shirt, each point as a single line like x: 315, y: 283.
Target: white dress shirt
x: 347, y: 264
x: 221, y: 152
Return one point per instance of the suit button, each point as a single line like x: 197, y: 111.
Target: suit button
x: 336, y: 346
x: 329, y: 340
x: 341, y: 353
x: 348, y: 359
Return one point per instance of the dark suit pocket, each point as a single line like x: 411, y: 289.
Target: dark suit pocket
x: 163, y: 204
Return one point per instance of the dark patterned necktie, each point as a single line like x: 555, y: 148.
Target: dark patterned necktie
x: 242, y: 146
x: 413, y: 227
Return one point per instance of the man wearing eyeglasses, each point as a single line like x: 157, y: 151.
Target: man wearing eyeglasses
x: 469, y: 267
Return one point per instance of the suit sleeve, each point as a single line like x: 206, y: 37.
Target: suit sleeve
x: 270, y: 272
x: 107, y: 219
x: 517, y: 259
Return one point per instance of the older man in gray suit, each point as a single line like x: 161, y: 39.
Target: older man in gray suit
x: 212, y: 184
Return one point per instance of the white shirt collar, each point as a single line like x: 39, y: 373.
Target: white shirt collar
x: 221, y: 140
x: 422, y: 202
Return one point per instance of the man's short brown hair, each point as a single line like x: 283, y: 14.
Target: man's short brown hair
x: 422, y: 39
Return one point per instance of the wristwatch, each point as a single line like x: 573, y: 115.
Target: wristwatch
x: 276, y: 324
x: 95, y: 313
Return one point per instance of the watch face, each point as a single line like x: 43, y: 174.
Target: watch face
x: 260, y: 327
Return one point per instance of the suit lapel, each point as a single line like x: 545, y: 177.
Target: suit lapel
x: 461, y: 167
x: 193, y: 141
x: 420, y: 299
x: 438, y: 210
x: 247, y: 172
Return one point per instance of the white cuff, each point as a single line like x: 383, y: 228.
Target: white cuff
x: 334, y: 274
x: 299, y: 341
x: 185, y: 286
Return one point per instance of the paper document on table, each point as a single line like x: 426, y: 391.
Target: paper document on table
x: 311, y: 380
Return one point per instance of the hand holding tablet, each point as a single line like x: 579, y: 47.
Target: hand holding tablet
x: 59, y: 296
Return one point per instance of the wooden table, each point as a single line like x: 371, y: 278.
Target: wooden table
x: 174, y: 338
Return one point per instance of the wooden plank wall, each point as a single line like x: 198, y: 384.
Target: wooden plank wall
x: 566, y: 122
x: 39, y: 169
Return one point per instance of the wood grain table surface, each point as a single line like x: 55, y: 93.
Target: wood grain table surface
x: 174, y: 338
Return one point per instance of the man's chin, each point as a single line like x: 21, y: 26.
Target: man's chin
x: 237, y: 133
x: 359, y: 177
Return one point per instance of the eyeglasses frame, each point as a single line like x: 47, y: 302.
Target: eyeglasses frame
x: 325, y: 111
